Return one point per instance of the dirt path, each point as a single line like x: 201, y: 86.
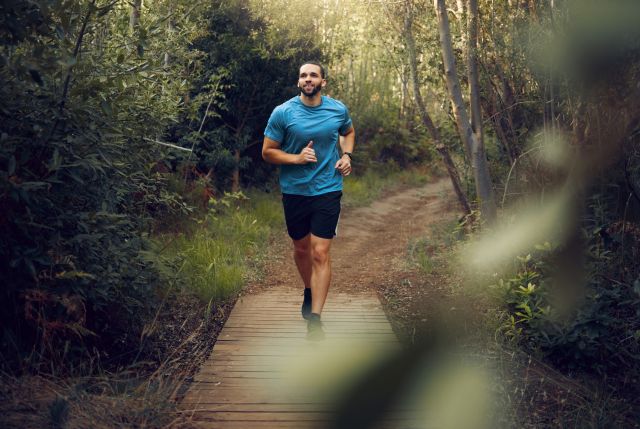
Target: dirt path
x: 371, y: 247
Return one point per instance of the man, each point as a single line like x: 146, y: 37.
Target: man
x: 302, y: 136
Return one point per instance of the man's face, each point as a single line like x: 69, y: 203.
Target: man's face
x: 310, y: 80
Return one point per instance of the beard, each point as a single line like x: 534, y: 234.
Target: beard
x: 314, y: 91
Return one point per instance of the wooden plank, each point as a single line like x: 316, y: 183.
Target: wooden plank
x: 239, y: 395
x: 300, y: 324
x: 294, y: 425
x: 239, y: 330
x: 249, y: 417
x: 263, y: 407
x: 255, y: 425
x: 289, y: 408
x: 249, y: 333
x: 243, y: 383
x: 271, y: 417
x: 296, y: 318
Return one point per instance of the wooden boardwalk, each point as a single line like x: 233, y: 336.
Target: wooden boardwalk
x: 263, y: 373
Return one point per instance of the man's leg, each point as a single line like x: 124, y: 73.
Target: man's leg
x: 320, y: 273
x: 298, y: 218
x: 302, y: 257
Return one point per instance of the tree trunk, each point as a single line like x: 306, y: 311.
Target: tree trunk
x: 235, y: 178
x: 472, y: 71
x: 170, y: 30
x: 484, y: 184
x: 473, y: 146
x: 134, y: 15
x: 424, y: 114
x: 579, y: 124
x: 493, y: 112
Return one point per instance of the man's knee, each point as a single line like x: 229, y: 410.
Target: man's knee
x: 320, y: 255
x: 301, y: 251
x: 302, y: 248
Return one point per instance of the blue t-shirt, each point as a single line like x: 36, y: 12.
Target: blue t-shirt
x: 293, y: 124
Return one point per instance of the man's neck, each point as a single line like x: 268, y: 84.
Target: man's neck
x: 313, y: 101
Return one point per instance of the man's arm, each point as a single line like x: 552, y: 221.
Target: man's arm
x: 347, y: 142
x: 272, y: 153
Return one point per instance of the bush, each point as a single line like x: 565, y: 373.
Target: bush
x: 600, y: 333
x: 77, y: 187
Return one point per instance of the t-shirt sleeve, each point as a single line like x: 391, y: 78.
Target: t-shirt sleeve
x: 275, y: 126
x: 346, y: 124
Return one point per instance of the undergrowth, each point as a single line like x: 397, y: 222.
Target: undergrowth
x: 213, y: 256
x: 550, y: 368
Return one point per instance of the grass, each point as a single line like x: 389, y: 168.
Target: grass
x: 419, y: 256
x: 213, y: 258
x: 128, y: 398
x: 362, y: 190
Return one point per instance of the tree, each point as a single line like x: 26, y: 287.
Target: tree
x: 248, y: 71
x: 424, y: 114
x: 471, y: 137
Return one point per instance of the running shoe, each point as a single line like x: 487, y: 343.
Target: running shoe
x: 314, y: 328
x: 306, y: 304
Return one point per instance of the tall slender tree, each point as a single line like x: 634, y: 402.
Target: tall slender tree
x: 424, y: 114
x: 134, y: 15
x: 473, y: 145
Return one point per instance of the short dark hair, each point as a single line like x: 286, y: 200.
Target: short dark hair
x: 315, y: 63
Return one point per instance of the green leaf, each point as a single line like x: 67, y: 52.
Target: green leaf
x: 35, y: 75
x: 60, y: 32
x: 12, y: 165
x: 106, y: 107
x: 636, y: 286
x: 55, y: 161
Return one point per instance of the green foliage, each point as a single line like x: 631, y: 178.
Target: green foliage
x: 241, y: 78
x: 524, y: 296
x: 600, y: 333
x: 78, y: 183
x: 213, y: 259
x: 394, y: 143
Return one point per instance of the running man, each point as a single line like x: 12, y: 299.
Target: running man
x: 302, y: 136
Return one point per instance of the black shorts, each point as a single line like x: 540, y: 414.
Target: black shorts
x: 317, y: 214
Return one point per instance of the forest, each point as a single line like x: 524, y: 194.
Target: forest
x: 135, y: 203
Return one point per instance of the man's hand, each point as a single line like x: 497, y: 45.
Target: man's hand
x: 308, y: 154
x: 344, y: 165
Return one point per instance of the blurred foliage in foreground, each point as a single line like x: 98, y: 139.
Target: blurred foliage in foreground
x: 576, y: 300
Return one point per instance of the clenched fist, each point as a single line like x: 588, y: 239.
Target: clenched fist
x: 308, y: 154
x: 344, y: 165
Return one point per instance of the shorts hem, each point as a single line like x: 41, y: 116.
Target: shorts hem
x: 324, y: 236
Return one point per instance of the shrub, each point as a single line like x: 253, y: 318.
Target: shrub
x: 77, y: 187
x: 600, y: 333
